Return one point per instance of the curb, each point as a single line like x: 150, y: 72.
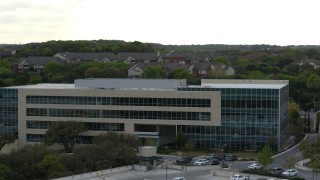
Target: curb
x: 290, y: 148
x: 300, y: 165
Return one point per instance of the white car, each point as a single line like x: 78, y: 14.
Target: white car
x: 290, y: 172
x: 255, y: 166
x: 238, y: 177
x: 201, y: 162
x: 179, y: 178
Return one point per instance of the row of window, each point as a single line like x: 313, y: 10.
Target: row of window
x: 239, y: 91
x: 90, y: 125
x: 120, y: 101
x: 121, y: 114
x: 40, y: 138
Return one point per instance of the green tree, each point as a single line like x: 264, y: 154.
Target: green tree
x: 6, y: 172
x: 222, y: 59
x: 313, y: 83
x: 181, y: 140
x: 6, y: 139
x: 64, y: 133
x: 306, y: 149
x: 153, y: 72
x: 296, y: 126
x: 289, y: 162
x: 24, y: 162
x: 53, y: 68
x: 265, y: 156
x: 93, y: 72
x: 52, y: 167
x: 6, y: 73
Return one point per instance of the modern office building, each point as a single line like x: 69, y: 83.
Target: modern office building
x: 237, y: 114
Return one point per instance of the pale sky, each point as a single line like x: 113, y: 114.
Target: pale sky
x: 180, y: 22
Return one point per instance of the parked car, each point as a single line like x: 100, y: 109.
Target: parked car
x: 255, y: 166
x: 261, y: 179
x: 230, y: 157
x: 214, y: 156
x: 276, y: 170
x: 214, y: 162
x: 201, y: 162
x: 184, y: 160
x: 179, y: 178
x: 238, y: 177
x: 290, y: 172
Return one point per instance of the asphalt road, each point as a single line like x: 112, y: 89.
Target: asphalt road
x: 206, y: 174
x: 280, y: 158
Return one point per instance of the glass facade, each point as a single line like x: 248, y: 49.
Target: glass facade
x: 119, y: 101
x: 94, y: 126
x: 120, y: 114
x: 250, y: 118
x: 40, y: 138
x: 9, y: 111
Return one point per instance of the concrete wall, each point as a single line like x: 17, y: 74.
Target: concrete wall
x: 98, y: 173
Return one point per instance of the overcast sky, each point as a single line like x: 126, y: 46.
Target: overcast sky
x: 180, y: 22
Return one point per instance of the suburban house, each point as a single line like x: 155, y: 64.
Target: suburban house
x: 129, y: 58
x: 202, y: 69
x: 34, y: 63
x: 222, y: 69
x: 136, y: 70
x: 74, y: 57
x: 6, y: 53
x: 312, y: 62
x: 197, y: 69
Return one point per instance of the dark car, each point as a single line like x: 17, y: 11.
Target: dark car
x: 214, y: 156
x: 183, y: 160
x: 230, y: 157
x: 276, y: 170
x: 214, y: 161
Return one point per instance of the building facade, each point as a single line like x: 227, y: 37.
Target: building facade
x: 235, y: 114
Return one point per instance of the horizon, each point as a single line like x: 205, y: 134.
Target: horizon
x: 166, y: 22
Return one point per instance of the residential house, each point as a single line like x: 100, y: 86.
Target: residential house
x: 133, y: 58
x: 74, y: 57
x: 129, y: 58
x: 220, y: 69
x: 312, y: 62
x: 6, y: 53
x: 136, y: 70
x: 35, y: 63
x: 202, y: 69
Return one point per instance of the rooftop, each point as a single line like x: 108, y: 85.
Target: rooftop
x: 247, y: 86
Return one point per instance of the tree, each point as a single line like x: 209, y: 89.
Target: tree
x: 289, y: 162
x: 6, y: 139
x: 24, y: 162
x: 64, y: 133
x: 93, y: 72
x: 53, y: 67
x: 306, y: 149
x: 222, y: 59
x: 153, y: 72
x: 6, y: 172
x: 52, y: 167
x: 265, y: 156
x: 313, y: 82
x: 181, y: 140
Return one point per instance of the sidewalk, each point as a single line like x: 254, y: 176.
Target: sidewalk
x: 300, y: 165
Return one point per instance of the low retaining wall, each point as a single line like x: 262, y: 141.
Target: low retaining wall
x: 98, y: 173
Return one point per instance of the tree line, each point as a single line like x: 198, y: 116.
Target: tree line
x: 108, y: 150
